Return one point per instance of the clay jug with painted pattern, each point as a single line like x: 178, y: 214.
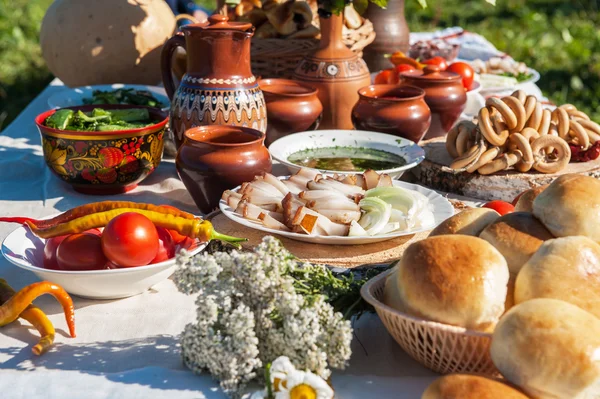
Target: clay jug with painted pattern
x: 218, y: 87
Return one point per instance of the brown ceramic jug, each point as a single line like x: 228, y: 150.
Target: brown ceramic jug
x: 444, y: 94
x: 213, y: 159
x: 291, y: 107
x: 392, y: 109
x: 218, y: 87
x: 336, y: 72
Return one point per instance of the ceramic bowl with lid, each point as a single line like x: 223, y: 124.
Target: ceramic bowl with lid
x: 444, y: 94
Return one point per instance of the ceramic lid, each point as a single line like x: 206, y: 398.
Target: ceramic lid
x: 432, y: 73
x: 221, y: 22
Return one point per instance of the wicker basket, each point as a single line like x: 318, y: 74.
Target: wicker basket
x: 439, y: 347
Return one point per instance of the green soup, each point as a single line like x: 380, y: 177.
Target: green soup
x: 346, y: 159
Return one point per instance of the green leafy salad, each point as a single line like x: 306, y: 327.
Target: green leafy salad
x: 124, y: 96
x: 99, y: 120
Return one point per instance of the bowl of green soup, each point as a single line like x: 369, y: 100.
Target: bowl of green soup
x: 347, y: 152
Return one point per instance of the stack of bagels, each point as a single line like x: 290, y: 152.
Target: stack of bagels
x: 531, y: 278
x: 517, y: 132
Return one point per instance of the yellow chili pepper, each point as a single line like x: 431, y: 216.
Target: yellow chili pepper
x: 194, y: 228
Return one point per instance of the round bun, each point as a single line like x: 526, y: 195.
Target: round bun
x: 565, y: 268
x: 470, y: 222
x: 525, y: 202
x: 570, y: 206
x: 454, y: 279
x: 517, y: 236
x: 465, y: 386
x: 549, y: 348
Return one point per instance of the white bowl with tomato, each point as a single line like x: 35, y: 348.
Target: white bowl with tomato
x: 126, y: 258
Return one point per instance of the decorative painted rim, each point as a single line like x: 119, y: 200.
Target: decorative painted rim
x: 251, y: 79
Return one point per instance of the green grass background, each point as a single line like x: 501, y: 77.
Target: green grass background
x: 559, y: 38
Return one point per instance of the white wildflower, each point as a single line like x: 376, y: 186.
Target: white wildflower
x: 249, y: 314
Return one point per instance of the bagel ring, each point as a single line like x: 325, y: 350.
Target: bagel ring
x: 517, y: 108
x: 529, y: 104
x: 536, y: 117
x: 487, y: 130
x: 470, y: 157
x: 485, y: 158
x: 519, y: 95
x: 562, y: 122
x: 578, y: 114
x: 504, y: 162
x: 522, y: 144
x: 580, y: 134
x: 451, y: 141
x: 545, y: 123
x: 530, y: 134
x: 568, y: 107
x: 507, y: 114
x: 542, y: 163
x: 589, y: 125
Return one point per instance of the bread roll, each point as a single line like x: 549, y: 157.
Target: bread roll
x: 470, y: 222
x: 550, y: 349
x: 565, y: 268
x: 517, y: 236
x: 525, y: 202
x: 466, y: 386
x: 453, y: 279
x: 570, y: 206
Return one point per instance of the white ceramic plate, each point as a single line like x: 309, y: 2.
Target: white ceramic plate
x: 282, y: 148
x: 442, y: 210
x: 25, y: 250
x: 74, y: 97
x: 535, y: 76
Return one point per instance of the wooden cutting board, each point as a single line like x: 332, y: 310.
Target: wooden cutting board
x: 504, y: 185
x: 348, y: 256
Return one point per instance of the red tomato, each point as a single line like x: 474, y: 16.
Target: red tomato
x: 464, y: 70
x: 95, y: 232
x: 80, y: 252
x: 166, y: 246
x: 439, y: 61
x: 50, y: 252
x: 130, y: 239
x: 387, y: 76
x: 177, y: 238
x: 502, y: 207
x: 404, y: 68
x: 188, y: 243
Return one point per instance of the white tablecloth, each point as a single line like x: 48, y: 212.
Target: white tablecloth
x: 128, y: 348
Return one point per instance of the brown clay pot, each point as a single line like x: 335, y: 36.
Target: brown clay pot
x: 444, y: 94
x: 291, y: 107
x: 391, y: 31
x: 218, y: 87
x: 213, y: 159
x: 392, y: 109
x: 336, y: 72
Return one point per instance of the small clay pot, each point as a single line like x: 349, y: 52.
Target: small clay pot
x: 291, y: 107
x: 392, y: 109
x: 444, y: 93
x: 215, y: 158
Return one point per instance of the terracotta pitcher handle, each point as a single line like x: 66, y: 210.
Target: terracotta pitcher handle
x: 166, y: 66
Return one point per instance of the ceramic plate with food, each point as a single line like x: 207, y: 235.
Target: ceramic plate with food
x: 347, y: 152
x: 151, y: 96
x: 25, y: 250
x: 335, y: 209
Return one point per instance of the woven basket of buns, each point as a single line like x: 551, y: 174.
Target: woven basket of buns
x: 288, y: 31
x: 439, y: 347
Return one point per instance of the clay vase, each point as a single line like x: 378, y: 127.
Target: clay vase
x: 391, y: 31
x: 397, y: 110
x: 218, y: 87
x: 336, y: 72
x: 291, y: 107
x: 213, y: 159
x: 444, y: 94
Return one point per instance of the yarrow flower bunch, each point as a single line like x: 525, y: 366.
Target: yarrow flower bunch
x: 250, y: 312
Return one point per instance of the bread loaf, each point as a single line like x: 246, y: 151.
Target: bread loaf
x: 466, y: 386
x: 469, y: 222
